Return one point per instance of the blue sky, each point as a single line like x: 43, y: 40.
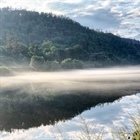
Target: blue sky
x: 120, y: 17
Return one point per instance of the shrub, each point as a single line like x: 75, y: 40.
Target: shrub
x: 37, y: 62
x: 78, y: 64
x: 67, y: 63
x: 71, y: 64
x: 52, y: 65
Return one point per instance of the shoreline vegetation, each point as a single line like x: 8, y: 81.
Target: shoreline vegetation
x: 47, y: 42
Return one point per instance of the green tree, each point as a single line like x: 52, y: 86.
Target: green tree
x: 37, y: 62
x: 71, y: 64
x: 16, y: 49
x: 53, y: 49
x: 78, y: 64
x: 11, y: 45
x: 52, y: 65
x: 46, y: 44
x: 34, y: 50
x: 67, y: 63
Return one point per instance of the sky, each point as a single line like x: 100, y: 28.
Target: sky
x: 120, y: 17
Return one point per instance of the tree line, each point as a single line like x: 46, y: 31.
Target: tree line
x: 44, y: 39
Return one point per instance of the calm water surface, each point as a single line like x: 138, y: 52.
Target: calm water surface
x: 107, y: 117
x: 40, y: 106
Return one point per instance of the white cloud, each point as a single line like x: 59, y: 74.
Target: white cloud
x: 73, y: 1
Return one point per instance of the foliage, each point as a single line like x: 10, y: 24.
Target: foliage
x: 78, y: 64
x: 37, y: 62
x: 67, y: 63
x: 71, y: 64
x: 26, y: 33
x: 52, y: 65
x: 129, y: 132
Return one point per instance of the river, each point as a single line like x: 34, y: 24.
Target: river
x: 42, y: 106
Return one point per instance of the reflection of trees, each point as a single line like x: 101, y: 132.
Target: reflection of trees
x: 20, y: 109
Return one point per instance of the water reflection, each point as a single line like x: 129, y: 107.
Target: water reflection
x: 30, y: 100
x: 22, y: 110
x: 108, y: 117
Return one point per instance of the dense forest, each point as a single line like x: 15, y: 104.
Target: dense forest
x: 45, y: 41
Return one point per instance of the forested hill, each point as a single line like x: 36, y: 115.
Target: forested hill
x: 47, y: 37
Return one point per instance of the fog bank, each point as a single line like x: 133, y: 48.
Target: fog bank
x: 92, y: 79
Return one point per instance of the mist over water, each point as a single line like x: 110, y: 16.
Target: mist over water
x: 101, y: 79
x: 31, y: 99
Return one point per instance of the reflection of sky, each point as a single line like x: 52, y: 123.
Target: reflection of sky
x: 107, y: 116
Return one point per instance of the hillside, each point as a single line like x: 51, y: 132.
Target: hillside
x: 42, y: 38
